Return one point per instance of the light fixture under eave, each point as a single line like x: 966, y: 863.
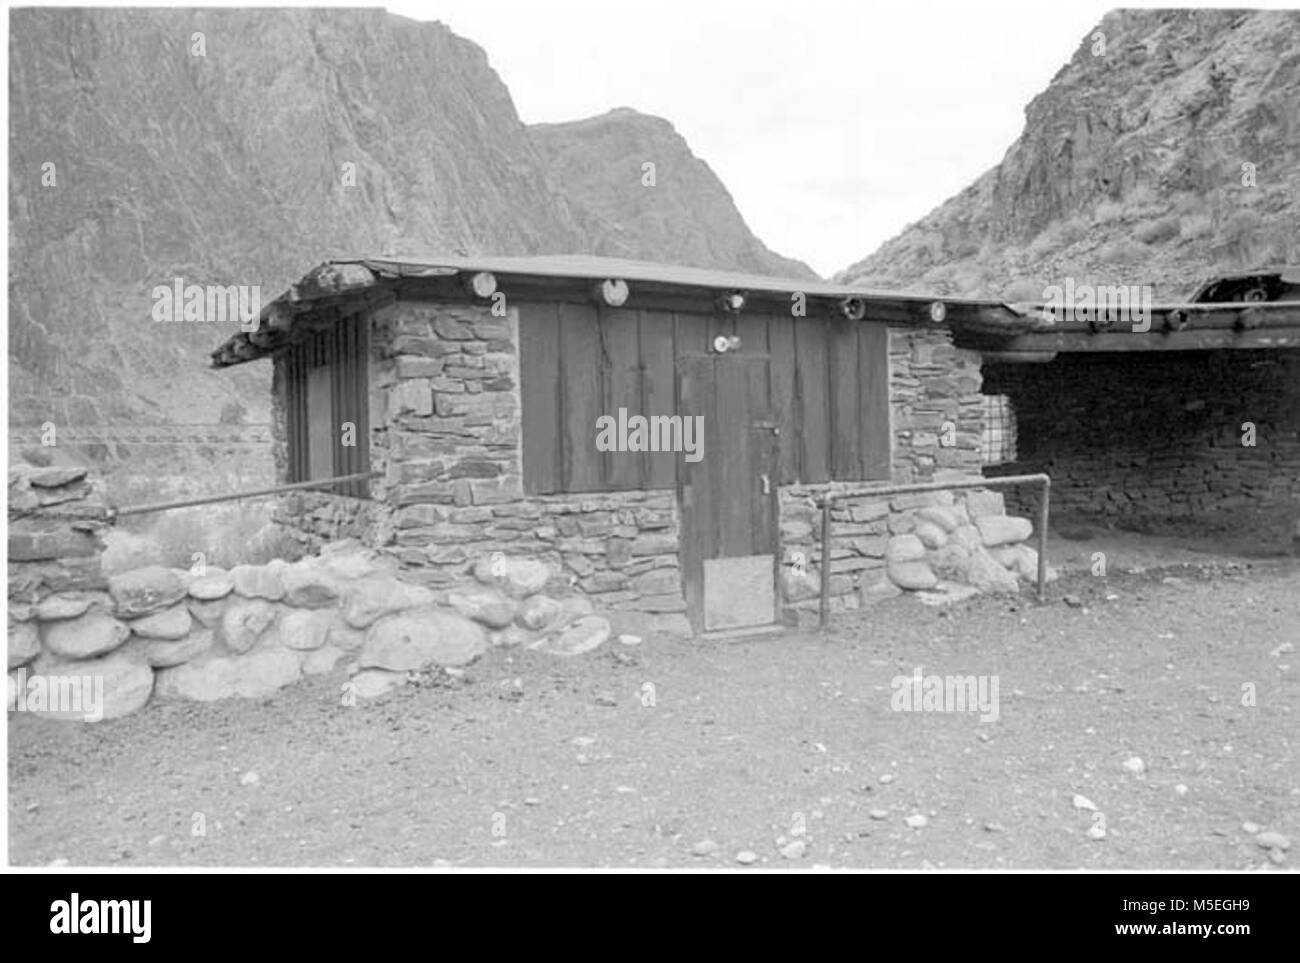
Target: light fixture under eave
x: 855, y: 309
x: 482, y: 284
x: 938, y: 312
x: 1248, y: 320
x: 733, y: 302
x: 613, y: 292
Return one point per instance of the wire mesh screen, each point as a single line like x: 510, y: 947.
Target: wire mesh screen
x: 998, y: 443
x: 327, y: 399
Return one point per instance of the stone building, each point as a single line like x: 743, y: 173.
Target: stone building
x: 1187, y: 421
x: 659, y: 436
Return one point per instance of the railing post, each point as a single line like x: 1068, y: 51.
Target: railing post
x: 1042, y: 538
x: 823, y: 614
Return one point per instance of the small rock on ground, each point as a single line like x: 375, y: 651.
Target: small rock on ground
x: 1272, y: 840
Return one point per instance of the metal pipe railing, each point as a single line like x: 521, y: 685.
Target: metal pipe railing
x: 114, y: 513
x: 1004, y: 482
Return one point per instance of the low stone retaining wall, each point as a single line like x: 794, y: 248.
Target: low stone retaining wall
x: 943, y: 545
x: 527, y: 574
x: 247, y: 632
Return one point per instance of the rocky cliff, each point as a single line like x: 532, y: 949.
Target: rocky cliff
x: 244, y: 146
x: 634, y: 183
x: 1165, y: 150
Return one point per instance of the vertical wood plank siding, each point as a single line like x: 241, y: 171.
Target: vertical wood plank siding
x: 825, y: 385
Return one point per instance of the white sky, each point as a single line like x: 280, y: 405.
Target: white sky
x: 833, y: 123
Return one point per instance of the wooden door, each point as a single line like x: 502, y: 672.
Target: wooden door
x: 728, y: 497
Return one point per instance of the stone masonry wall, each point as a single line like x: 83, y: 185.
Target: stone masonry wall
x: 1152, y: 437
x: 208, y: 634
x: 935, y: 402
x: 943, y: 545
x: 57, y: 516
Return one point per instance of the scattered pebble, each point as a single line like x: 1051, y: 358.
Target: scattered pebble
x: 994, y: 828
x: 916, y: 820
x: 1135, y: 765
x: 453, y: 671
x: 1250, y: 828
x: 982, y: 736
x: 1095, y: 831
x: 705, y: 847
x: 879, y: 814
x: 532, y: 801
x: 794, y: 850
x: 1073, y: 601
x: 627, y: 639
x: 249, y: 778
x: 583, y: 741
x: 1083, y: 802
x: 746, y: 857
x: 1282, y: 649
x: 1272, y: 840
x: 886, y: 779
x: 1180, y: 789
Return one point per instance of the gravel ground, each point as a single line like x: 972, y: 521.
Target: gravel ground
x: 691, y: 754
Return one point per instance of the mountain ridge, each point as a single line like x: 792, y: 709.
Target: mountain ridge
x: 245, y: 146
x: 1129, y: 169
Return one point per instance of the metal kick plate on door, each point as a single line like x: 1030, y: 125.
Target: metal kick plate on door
x: 739, y: 592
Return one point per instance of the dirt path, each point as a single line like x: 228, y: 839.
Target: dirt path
x: 633, y: 756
